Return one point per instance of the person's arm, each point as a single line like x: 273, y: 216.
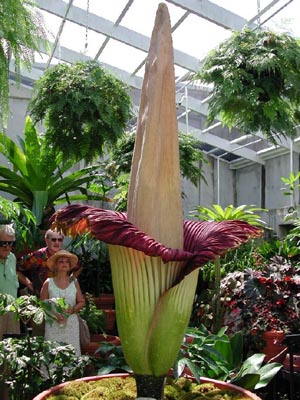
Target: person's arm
x: 24, y: 280
x: 45, y: 290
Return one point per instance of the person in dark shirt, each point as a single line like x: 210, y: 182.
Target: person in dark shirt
x: 32, y: 268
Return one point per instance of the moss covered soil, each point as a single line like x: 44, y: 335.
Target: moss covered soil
x: 125, y: 389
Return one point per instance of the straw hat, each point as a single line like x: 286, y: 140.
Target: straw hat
x: 51, y: 262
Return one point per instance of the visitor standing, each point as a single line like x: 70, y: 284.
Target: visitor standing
x: 65, y: 328
x: 8, y: 278
x: 32, y: 268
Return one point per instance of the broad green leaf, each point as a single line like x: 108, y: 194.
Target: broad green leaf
x: 39, y: 203
x: 267, y: 373
x: 13, y: 153
x: 236, y: 342
x: 247, y: 381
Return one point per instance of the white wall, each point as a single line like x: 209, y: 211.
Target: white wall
x: 18, y: 102
x: 248, y: 182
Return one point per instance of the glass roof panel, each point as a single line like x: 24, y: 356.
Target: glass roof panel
x: 247, y: 10
x: 141, y: 15
x: 108, y: 9
x: 128, y: 25
x: 197, y: 36
x: 122, y: 56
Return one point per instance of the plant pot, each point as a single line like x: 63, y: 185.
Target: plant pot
x: 105, y: 338
x: 110, y: 321
x: 96, y: 341
x: 273, y: 346
x: 106, y: 301
x: 296, y: 362
x: 222, y: 385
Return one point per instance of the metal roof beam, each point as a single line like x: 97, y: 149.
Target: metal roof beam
x: 71, y: 56
x: 202, y: 107
x: 223, y: 144
x: 213, y: 13
x: 119, y: 33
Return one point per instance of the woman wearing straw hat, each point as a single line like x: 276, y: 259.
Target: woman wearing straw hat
x: 66, y: 327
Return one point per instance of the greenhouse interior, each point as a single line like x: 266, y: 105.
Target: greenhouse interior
x: 243, y: 169
x: 150, y: 199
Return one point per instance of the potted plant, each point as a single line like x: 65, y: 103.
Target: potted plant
x: 155, y: 256
x: 39, y: 178
x: 84, y: 108
x: 124, y: 386
x: 95, y: 277
x: 255, y: 82
x: 220, y: 356
x: 98, y: 325
x: 266, y: 302
x: 217, y: 213
x: 31, y: 364
x: 94, y: 317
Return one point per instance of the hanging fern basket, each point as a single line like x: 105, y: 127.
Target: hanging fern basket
x: 84, y: 108
x: 256, y: 82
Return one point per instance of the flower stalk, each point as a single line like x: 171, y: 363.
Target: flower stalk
x: 155, y: 256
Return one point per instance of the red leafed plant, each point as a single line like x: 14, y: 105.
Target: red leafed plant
x: 266, y: 299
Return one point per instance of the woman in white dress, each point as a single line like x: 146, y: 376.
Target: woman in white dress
x: 66, y: 327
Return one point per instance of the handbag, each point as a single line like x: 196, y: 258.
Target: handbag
x: 84, y: 332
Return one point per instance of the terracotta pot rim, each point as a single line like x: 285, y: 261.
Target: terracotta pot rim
x: 104, y: 337
x: 46, y: 393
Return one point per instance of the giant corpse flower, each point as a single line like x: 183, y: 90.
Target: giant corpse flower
x: 155, y: 256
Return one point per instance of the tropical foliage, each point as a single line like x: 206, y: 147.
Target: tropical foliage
x: 28, y: 364
x: 220, y: 356
x: 94, y: 317
x: 95, y: 277
x: 21, y: 33
x: 84, y: 108
x: 23, y: 221
x: 40, y: 178
x: 256, y: 80
x: 117, y: 166
x: 111, y: 359
x: 120, y: 157
x: 291, y: 184
x: 217, y: 213
x: 263, y: 299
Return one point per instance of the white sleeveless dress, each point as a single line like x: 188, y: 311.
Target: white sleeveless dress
x: 69, y: 332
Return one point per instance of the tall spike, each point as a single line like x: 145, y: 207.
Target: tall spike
x: 154, y: 199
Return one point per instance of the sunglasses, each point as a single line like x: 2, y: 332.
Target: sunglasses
x: 56, y: 239
x: 4, y: 243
